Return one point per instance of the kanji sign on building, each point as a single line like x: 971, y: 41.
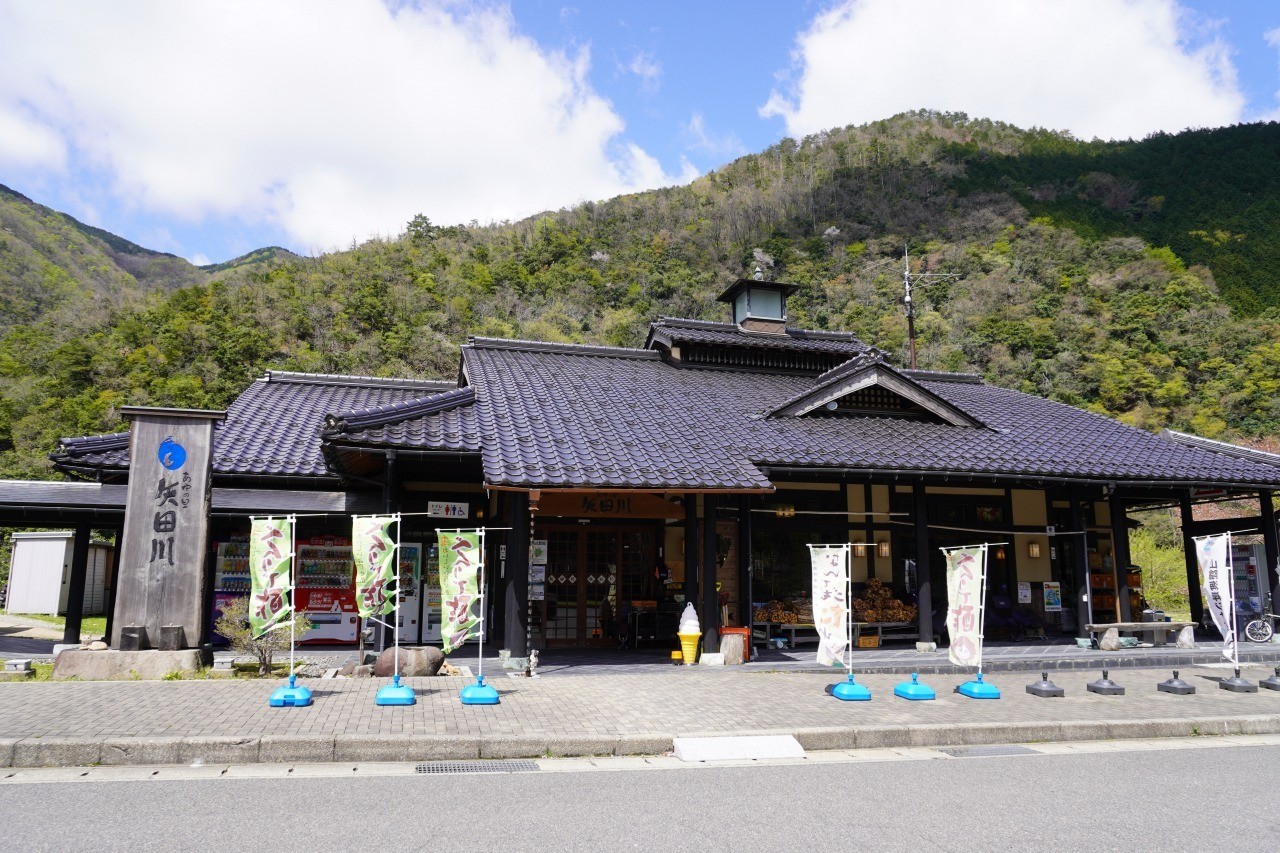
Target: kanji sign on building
x: 160, y: 587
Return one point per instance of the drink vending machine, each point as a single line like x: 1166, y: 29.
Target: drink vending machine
x: 410, y: 586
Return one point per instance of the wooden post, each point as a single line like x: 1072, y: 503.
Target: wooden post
x: 1270, y: 576
x: 924, y: 584
x: 744, y: 566
x: 1079, y: 558
x: 1189, y: 555
x: 710, y: 553
x: 1120, y: 554
x: 75, y: 584
x: 691, y: 549
x: 516, y: 591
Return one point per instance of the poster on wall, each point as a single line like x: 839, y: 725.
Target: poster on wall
x: 537, y: 574
x: 537, y: 591
x: 538, y: 552
x: 1024, y: 592
x: 1052, y: 597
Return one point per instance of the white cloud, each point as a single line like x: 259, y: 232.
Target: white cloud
x: 1106, y: 68
x: 649, y: 70
x: 699, y: 138
x: 1272, y: 38
x: 332, y: 119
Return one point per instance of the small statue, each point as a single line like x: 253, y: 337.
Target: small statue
x: 532, y: 665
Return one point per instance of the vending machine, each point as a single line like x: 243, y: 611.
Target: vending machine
x: 410, y: 586
x: 1245, y: 560
x: 431, y: 595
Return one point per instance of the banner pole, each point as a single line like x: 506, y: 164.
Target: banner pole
x: 982, y: 609
x: 293, y: 589
x: 395, y: 562
x: 484, y: 602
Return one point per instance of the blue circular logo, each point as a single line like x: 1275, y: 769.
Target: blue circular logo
x: 171, y: 454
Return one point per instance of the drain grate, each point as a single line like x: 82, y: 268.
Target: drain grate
x: 495, y: 766
x: 986, y: 751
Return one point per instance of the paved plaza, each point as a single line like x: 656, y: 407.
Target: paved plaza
x: 124, y: 722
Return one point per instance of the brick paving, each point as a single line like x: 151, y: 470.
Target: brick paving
x: 667, y: 703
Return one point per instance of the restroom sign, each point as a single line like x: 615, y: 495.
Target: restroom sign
x: 445, y: 509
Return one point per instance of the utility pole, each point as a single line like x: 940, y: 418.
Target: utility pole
x: 920, y: 280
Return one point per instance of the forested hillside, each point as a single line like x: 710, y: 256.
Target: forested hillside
x: 1086, y: 274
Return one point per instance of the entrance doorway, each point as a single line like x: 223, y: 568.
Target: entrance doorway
x: 592, y: 574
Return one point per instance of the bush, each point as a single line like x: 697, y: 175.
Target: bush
x: 234, y: 625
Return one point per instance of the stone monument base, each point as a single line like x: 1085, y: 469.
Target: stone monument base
x: 105, y: 665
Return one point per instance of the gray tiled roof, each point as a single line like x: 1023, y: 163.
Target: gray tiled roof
x: 444, y: 421
x: 273, y: 428
x: 679, y: 331
x: 571, y: 416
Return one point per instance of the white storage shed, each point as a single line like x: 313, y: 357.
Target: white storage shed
x: 40, y: 573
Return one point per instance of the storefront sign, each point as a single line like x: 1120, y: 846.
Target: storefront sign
x: 966, y: 575
x: 460, y: 557
x: 270, y: 574
x: 161, y: 577
x: 830, y: 565
x: 1024, y: 592
x: 607, y: 505
x: 538, y: 552
x: 444, y: 509
x: 1218, y: 586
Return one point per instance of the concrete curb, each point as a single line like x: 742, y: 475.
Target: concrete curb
x: 296, y: 749
x: 1095, y: 663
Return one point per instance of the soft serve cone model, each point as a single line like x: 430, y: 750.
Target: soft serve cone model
x: 689, y: 632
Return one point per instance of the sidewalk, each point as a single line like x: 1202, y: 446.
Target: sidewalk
x: 627, y: 711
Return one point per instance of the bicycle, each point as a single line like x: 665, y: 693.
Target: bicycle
x: 1261, y: 629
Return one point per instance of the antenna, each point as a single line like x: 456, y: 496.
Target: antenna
x: 919, y: 280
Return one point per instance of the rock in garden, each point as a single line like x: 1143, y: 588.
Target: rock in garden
x: 1187, y: 638
x: 414, y: 661
x: 1110, y: 641
x: 363, y: 671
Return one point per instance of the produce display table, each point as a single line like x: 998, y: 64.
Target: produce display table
x: 805, y: 632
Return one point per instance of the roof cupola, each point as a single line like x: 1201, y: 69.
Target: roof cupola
x: 759, y: 305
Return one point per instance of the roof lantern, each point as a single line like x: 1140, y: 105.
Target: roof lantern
x: 759, y: 305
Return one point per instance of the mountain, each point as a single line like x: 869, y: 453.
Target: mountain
x: 265, y: 255
x: 1084, y: 273
x: 50, y: 261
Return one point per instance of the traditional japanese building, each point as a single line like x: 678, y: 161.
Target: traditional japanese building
x: 699, y: 465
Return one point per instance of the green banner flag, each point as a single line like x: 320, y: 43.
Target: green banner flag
x: 271, y: 574
x: 374, y: 549
x: 460, y: 557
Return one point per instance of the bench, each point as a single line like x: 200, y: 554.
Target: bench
x: 762, y: 631
x: 1159, y: 631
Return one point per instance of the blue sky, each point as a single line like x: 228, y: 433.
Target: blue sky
x: 210, y: 129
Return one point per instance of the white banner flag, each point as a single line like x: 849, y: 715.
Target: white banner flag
x: 831, y: 601
x: 966, y: 577
x: 1218, y: 586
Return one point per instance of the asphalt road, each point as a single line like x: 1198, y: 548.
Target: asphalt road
x: 1192, y: 796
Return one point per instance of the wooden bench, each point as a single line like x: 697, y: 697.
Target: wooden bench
x: 1159, y: 631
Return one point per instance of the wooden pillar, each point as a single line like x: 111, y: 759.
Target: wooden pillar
x: 1189, y: 555
x: 1271, y: 571
x: 1120, y: 554
x: 516, y: 589
x: 870, y: 530
x: 1079, y: 559
x: 924, y: 584
x: 111, y: 591
x: 746, y: 607
x: 691, y: 549
x: 75, y: 584
x: 710, y: 616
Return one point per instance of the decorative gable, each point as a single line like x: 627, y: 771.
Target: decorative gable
x: 868, y: 386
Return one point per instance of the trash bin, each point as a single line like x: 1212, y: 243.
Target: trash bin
x: 735, y: 645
